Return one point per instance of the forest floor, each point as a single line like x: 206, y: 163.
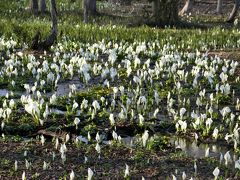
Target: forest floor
x: 23, y: 144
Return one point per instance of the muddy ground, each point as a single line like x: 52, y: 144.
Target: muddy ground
x: 159, y: 164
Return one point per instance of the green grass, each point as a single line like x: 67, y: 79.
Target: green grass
x: 110, y: 28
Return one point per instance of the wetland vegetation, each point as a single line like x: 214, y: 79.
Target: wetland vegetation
x: 117, y: 98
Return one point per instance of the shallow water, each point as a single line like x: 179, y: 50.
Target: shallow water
x: 190, y: 147
x: 60, y: 112
x: 198, y: 151
x: 3, y: 92
x: 57, y: 111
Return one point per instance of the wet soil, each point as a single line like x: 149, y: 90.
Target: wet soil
x: 149, y: 164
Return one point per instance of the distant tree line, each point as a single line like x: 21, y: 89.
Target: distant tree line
x: 165, y: 12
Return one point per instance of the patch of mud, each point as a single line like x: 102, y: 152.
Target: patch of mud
x: 231, y: 54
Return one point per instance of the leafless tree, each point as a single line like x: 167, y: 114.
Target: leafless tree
x: 34, y: 6
x: 189, y: 4
x: 37, y: 6
x: 43, y: 6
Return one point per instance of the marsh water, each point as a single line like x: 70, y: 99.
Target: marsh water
x: 193, y: 149
x: 190, y: 148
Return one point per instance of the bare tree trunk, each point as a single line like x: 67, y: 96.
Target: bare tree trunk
x: 43, y: 6
x: 165, y: 12
x: 49, y: 41
x: 89, y: 8
x: 234, y: 11
x: 187, y: 7
x: 34, y: 6
x: 219, y: 6
x: 93, y: 9
x: 53, y: 37
x: 85, y: 10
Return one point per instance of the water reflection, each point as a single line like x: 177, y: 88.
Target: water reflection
x: 3, y: 92
x: 192, y: 149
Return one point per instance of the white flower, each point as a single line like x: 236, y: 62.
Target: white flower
x: 174, y: 177
x: 15, y: 165
x: 115, y: 91
x: 195, y: 136
x: 155, y: 113
x: 56, y: 143
x: 207, y: 152
x: 182, y: 112
x: 90, y: 174
x: 63, y: 148
x: 67, y: 138
x: 76, y: 122
x: 27, y: 164
x: 216, y: 173
x: 112, y: 121
x: 235, y: 22
x: 72, y: 175
x: 225, y: 111
x: 183, y: 125
x: 45, y: 165
x: 46, y: 112
x: 114, y: 135
x: 112, y: 57
x: 84, y: 104
x: 11, y: 104
x: 121, y: 88
x: 98, y: 138
x: 221, y: 158
x: 73, y: 88
x: 195, y: 167
x: 215, y: 133
x: 24, y: 176
x: 126, y: 173
x: 75, y: 105
x: 53, y: 99
x: 227, y: 157
x: 98, y: 149
x: 2, y: 124
x: 145, y: 138
x: 32, y: 108
x: 184, y: 175
x: 237, y: 165
x: 25, y: 154
x: 208, y: 123
x: 141, y: 120
x: 113, y: 73
x: 42, y: 140
x: 96, y: 105
x: 89, y: 136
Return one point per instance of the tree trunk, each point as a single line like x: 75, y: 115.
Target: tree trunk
x: 233, y: 14
x: 89, y: 8
x: 165, y: 12
x: 37, y: 44
x: 34, y: 6
x: 93, y: 7
x: 53, y: 36
x: 187, y: 7
x: 43, y: 6
x: 219, y: 6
